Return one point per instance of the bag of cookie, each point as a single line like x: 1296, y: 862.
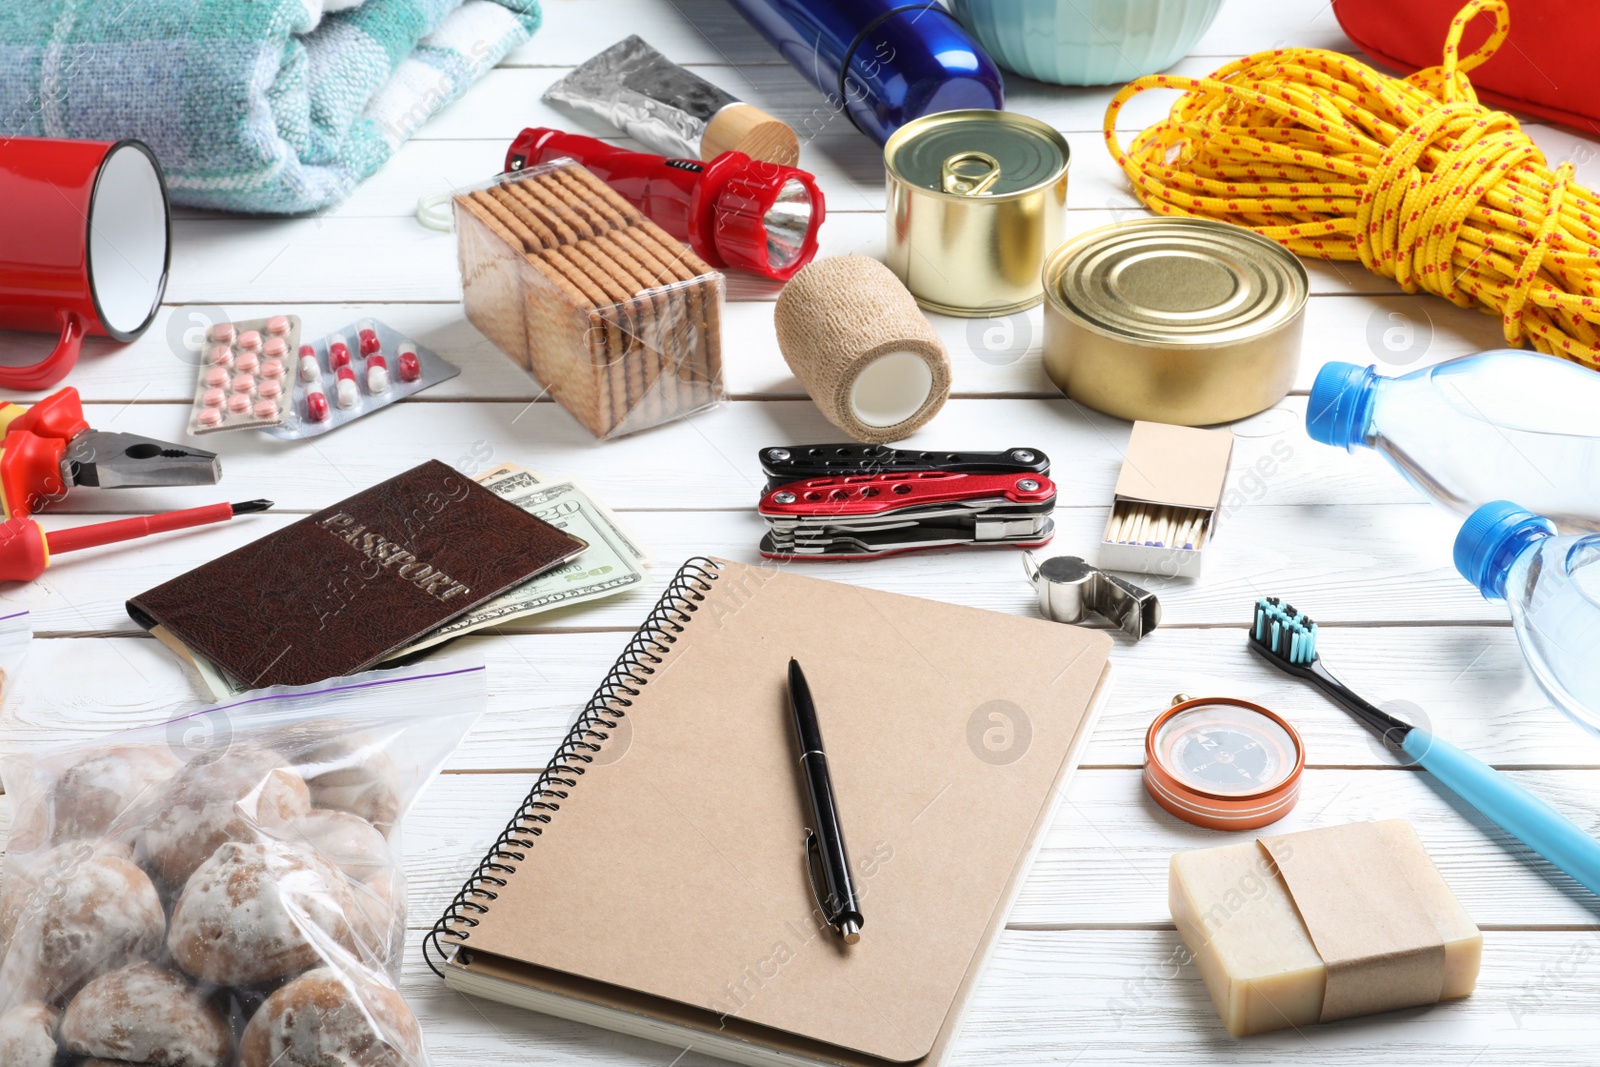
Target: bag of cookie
x: 618, y: 320
x: 225, y: 889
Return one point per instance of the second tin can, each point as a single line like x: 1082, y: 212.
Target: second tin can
x: 1176, y: 320
x: 977, y: 199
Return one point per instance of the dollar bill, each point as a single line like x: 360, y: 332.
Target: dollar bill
x: 612, y: 564
x: 505, y: 469
x: 210, y: 674
x: 516, y: 478
x: 220, y: 682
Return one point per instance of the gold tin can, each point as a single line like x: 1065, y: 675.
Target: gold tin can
x: 1175, y: 320
x: 977, y: 199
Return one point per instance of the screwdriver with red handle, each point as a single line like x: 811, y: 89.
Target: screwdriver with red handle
x: 26, y: 547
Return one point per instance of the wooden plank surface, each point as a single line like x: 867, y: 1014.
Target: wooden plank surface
x: 1117, y: 997
x: 1469, y: 681
x: 1293, y: 551
x: 372, y: 259
x: 998, y: 358
x: 710, y: 462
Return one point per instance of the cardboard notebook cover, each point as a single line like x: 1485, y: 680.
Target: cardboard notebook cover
x: 673, y: 867
x: 337, y: 591
x: 729, y: 1037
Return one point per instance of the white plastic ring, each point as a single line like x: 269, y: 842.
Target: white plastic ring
x: 433, y: 211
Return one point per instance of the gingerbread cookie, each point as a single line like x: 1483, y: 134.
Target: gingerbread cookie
x: 106, y: 784
x: 27, y: 1036
x: 348, y: 841
x: 244, y: 913
x: 228, y: 798
x: 351, y: 775
x: 19, y: 882
x: 89, y: 911
x: 145, y: 1014
x: 326, y: 1018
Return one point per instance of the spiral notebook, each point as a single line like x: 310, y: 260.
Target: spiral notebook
x: 654, y: 883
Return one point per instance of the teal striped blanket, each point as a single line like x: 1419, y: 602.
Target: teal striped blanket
x: 276, y: 106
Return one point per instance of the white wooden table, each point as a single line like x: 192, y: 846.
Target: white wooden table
x: 1088, y: 971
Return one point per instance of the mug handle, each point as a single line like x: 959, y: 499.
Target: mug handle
x: 54, y: 367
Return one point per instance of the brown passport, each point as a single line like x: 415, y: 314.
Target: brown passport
x: 337, y: 591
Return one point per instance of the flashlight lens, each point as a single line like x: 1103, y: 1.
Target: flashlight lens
x: 787, y: 222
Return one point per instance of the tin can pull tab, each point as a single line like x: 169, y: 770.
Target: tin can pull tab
x: 970, y: 173
x: 1069, y: 588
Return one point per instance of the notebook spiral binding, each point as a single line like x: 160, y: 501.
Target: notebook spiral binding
x: 644, y: 653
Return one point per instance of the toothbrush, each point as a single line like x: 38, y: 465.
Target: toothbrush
x: 1288, y: 640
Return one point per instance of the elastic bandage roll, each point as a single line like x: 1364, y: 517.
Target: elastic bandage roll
x: 854, y: 337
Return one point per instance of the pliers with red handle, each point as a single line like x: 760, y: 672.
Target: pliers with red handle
x: 49, y: 447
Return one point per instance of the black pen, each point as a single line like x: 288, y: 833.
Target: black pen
x: 825, y: 838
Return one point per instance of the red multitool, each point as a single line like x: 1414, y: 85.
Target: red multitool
x: 869, y: 515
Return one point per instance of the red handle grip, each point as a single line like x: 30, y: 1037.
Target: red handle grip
x: 105, y: 533
x: 59, y: 415
x: 30, y: 472
x: 25, y: 548
x: 873, y: 494
x: 23, y: 555
x: 54, y: 367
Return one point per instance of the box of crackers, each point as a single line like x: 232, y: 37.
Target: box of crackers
x: 621, y: 322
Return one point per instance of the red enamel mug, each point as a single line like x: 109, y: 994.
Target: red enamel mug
x: 85, y: 244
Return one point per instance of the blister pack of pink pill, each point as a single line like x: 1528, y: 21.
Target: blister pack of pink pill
x: 354, y: 372
x: 246, y: 375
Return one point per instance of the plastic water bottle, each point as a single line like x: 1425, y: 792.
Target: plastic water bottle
x: 1552, y: 586
x: 1500, y: 425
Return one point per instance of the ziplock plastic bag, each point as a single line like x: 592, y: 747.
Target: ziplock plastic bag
x: 227, y: 888
x: 16, y: 630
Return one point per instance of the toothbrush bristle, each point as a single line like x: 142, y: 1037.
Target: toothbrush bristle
x: 1286, y: 633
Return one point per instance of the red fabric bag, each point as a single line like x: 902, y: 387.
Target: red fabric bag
x: 1546, y: 68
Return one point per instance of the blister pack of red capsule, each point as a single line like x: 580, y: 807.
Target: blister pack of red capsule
x: 244, y: 375
x: 353, y: 372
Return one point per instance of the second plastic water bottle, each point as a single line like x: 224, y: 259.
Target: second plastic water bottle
x: 1552, y: 586
x: 1500, y: 425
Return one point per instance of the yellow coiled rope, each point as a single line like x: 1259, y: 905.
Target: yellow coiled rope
x: 1412, y: 177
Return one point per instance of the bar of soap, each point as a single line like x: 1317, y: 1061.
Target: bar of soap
x: 1253, y: 949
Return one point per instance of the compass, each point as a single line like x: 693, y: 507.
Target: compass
x: 1223, y: 763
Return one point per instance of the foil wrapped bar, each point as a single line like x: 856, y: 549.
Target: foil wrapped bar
x: 646, y: 95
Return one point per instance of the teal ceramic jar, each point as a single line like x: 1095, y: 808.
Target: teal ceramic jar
x: 1086, y: 42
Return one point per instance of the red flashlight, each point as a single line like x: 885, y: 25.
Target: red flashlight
x: 734, y: 211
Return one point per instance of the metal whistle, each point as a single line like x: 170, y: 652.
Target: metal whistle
x: 1069, y: 589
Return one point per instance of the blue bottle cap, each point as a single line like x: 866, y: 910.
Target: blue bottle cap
x: 1341, y: 404
x: 1491, y: 538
